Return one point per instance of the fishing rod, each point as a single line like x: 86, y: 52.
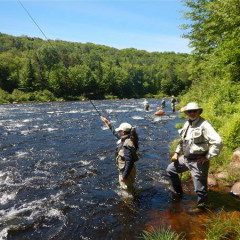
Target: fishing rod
x: 100, y: 115
x: 95, y: 108
x: 30, y: 16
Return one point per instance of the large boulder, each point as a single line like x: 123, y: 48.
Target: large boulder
x: 235, y: 190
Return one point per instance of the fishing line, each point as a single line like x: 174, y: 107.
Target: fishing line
x: 30, y: 16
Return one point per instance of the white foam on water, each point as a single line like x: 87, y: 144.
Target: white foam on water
x: 37, y: 208
x: 157, y: 119
x: 127, y: 106
x: 54, y: 213
x: 104, y: 127
x: 27, y: 120
x: 73, y: 111
x: 57, y: 112
x: 18, y: 125
x: 139, y: 110
x: 87, y: 111
x: 102, y: 158
x: 4, y: 233
x: 7, y: 178
x: 26, y: 132
x: 84, y: 163
x: 6, y: 197
x: 137, y: 118
x: 20, y: 154
x: 51, y: 129
x: 116, y: 111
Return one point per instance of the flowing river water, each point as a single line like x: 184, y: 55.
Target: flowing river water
x: 58, y: 178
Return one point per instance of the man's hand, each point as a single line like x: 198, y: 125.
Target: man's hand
x: 174, y: 157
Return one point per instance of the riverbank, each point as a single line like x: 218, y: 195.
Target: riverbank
x: 219, y: 221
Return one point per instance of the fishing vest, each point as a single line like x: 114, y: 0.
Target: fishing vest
x: 120, y: 152
x: 196, y: 142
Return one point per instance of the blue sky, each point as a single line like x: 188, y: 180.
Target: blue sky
x: 151, y: 25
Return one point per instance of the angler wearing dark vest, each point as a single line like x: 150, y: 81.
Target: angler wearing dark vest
x: 126, y: 153
x: 198, y: 144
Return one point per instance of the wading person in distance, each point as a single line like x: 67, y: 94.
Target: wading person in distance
x: 199, y: 142
x: 146, y: 104
x: 126, y: 153
x: 163, y: 103
x: 173, y: 103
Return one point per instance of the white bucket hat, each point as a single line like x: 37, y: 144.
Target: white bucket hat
x: 126, y: 127
x: 191, y: 106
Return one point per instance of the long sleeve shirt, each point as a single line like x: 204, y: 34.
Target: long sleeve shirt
x: 200, y: 137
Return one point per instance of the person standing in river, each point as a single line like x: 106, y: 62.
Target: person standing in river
x: 146, y: 104
x: 126, y: 153
x: 173, y: 103
x: 199, y: 142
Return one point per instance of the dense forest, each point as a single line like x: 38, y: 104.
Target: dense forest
x: 67, y: 70
x: 214, y: 33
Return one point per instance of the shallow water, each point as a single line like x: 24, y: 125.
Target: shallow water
x: 58, y: 177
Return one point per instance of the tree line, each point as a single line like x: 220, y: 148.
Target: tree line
x: 71, y: 70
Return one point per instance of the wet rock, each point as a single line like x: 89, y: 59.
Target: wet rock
x: 212, y: 181
x: 235, y: 190
x: 235, y: 163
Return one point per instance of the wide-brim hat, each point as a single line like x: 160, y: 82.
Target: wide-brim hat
x: 191, y: 106
x: 126, y: 127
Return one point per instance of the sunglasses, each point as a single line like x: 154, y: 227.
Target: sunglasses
x: 192, y: 111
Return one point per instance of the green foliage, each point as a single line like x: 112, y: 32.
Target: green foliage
x: 173, y: 146
x: 230, y: 131
x: 70, y: 70
x: 223, y: 226
x: 4, y: 96
x: 20, y: 96
x: 110, y: 97
x: 159, y: 95
x: 162, y: 234
x: 43, y: 96
x: 178, y: 125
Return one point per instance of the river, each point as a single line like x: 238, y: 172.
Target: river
x: 58, y: 177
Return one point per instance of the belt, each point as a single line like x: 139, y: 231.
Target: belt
x: 195, y: 156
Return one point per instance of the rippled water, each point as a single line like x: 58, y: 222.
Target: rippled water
x: 58, y: 177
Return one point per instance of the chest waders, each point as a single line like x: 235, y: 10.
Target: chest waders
x: 128, y: 184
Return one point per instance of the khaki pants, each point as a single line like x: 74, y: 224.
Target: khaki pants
x: 129, y: 183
